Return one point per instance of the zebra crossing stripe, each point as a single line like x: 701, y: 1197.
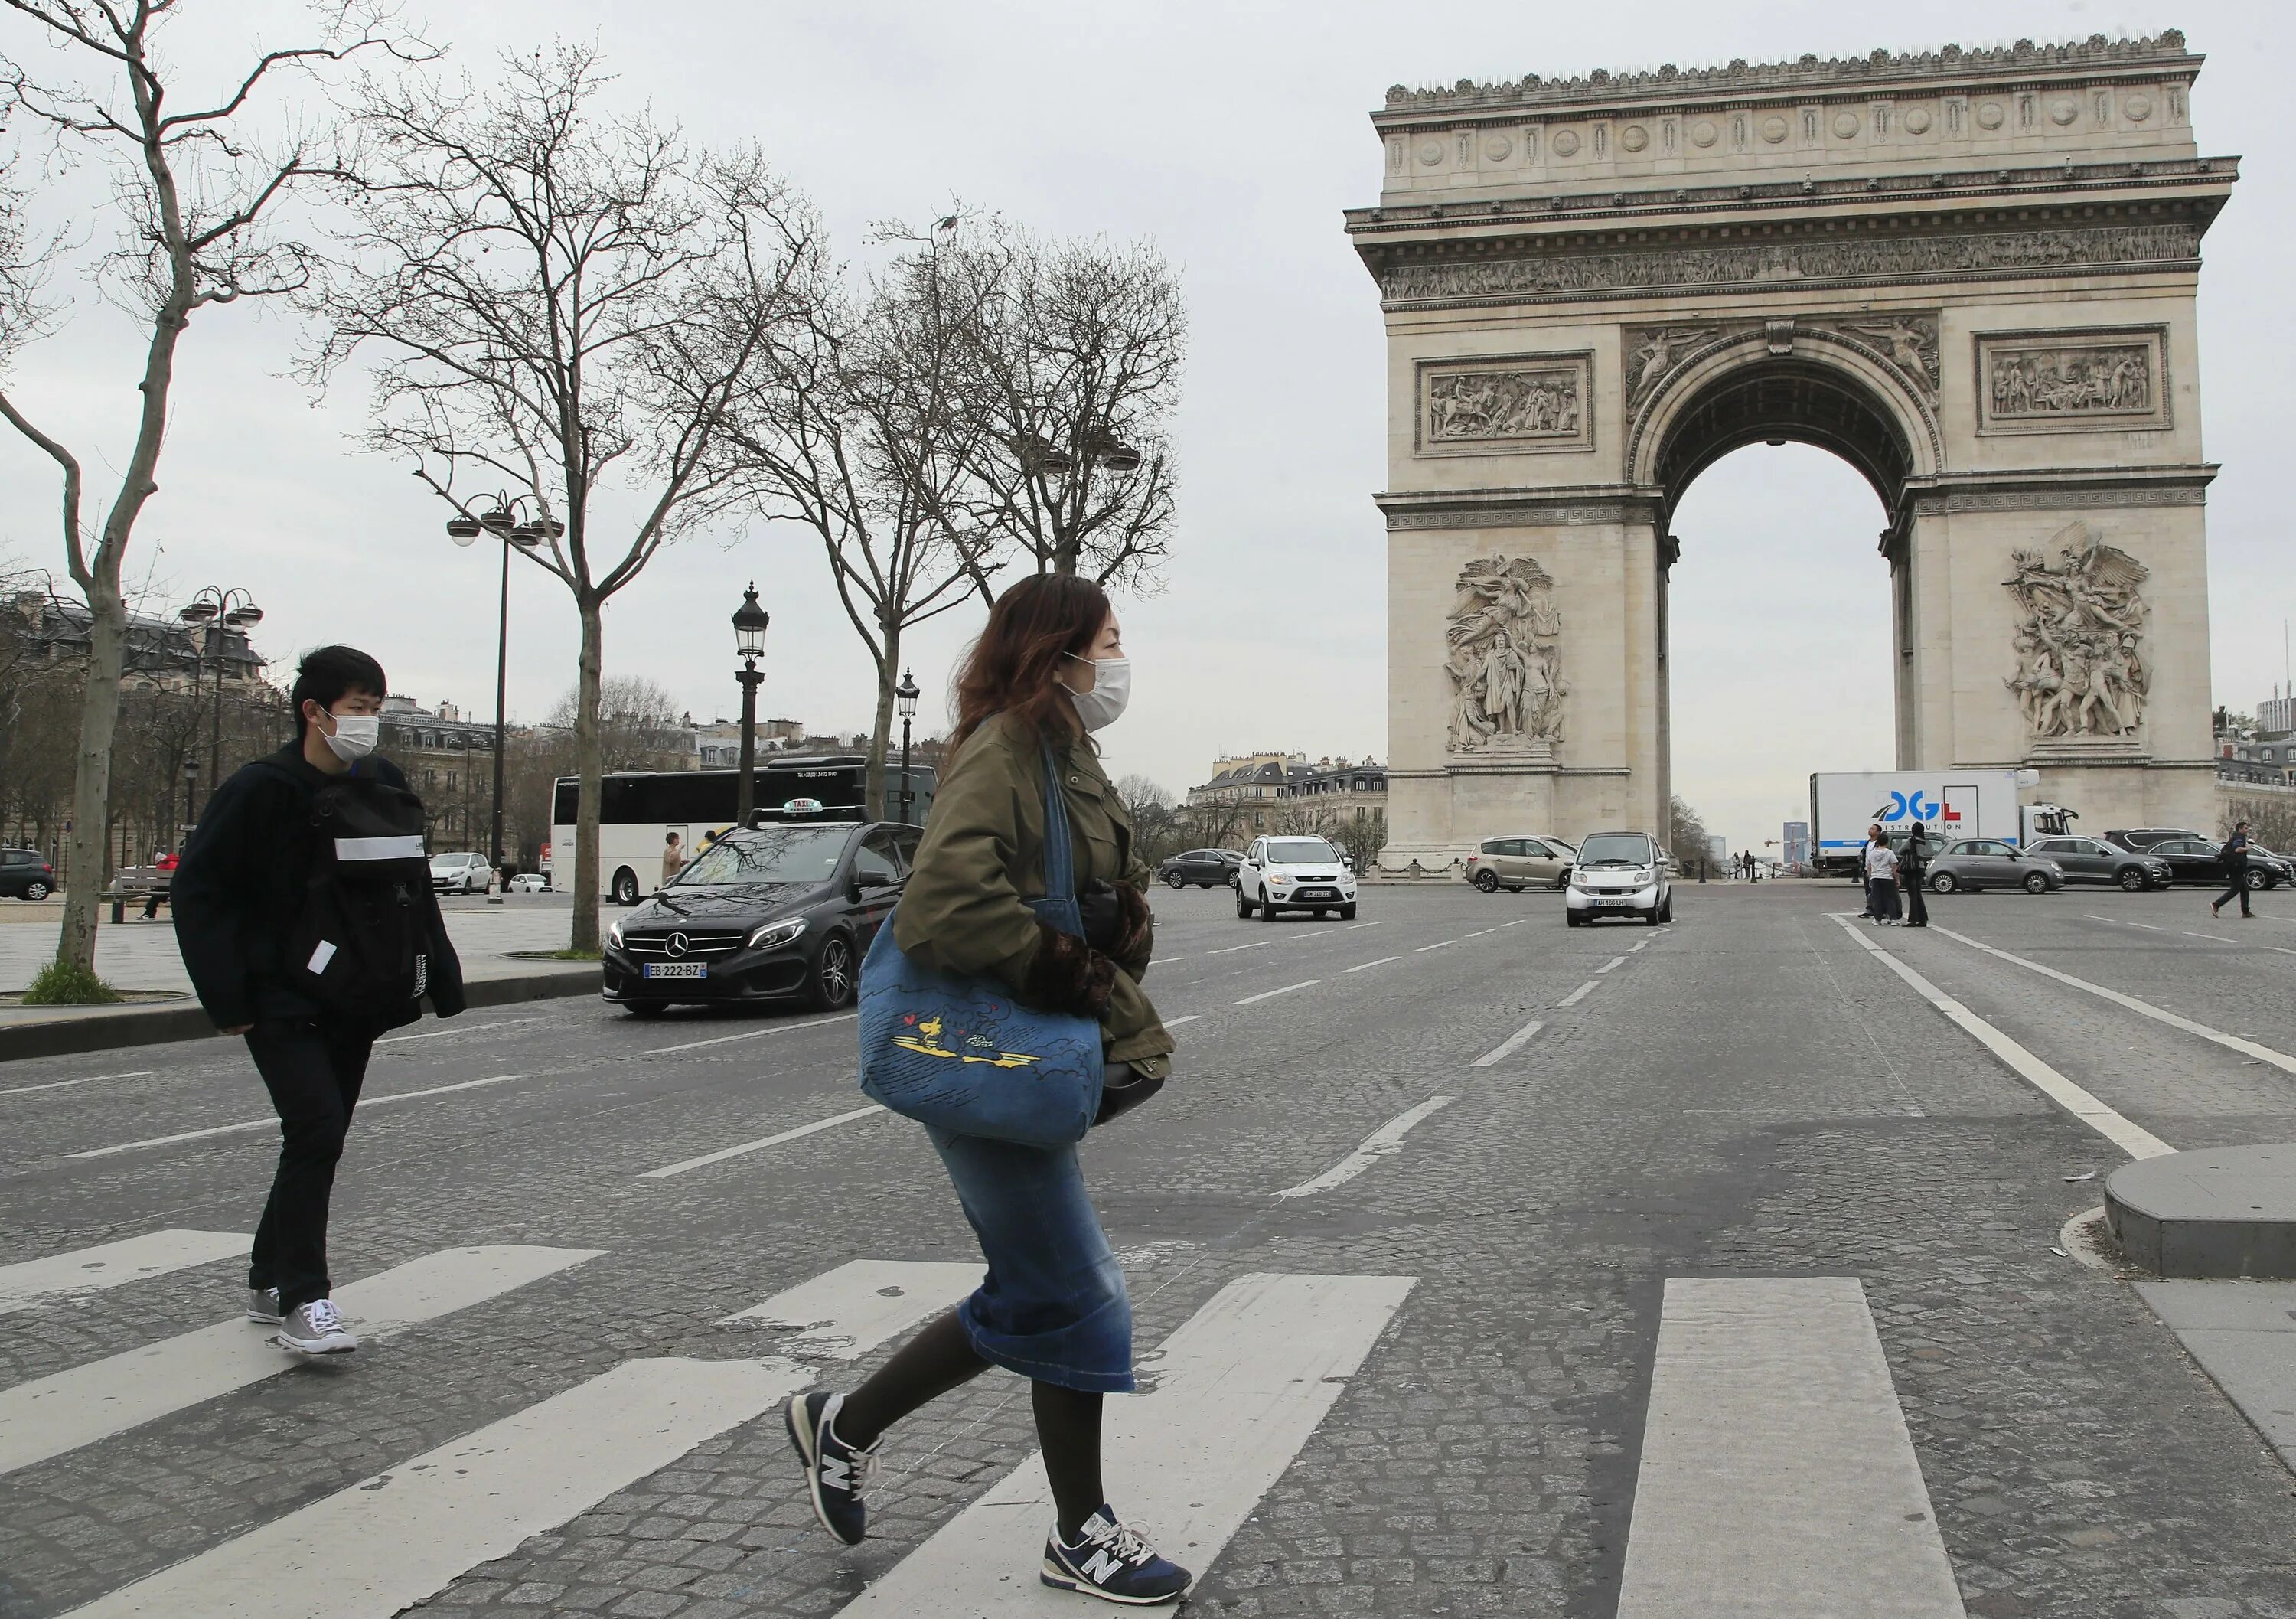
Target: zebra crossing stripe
x: 841, y: 1314
x: 50, y: 1416
x: 391, y: 1541
x: 109, y: 1264
x: 1236, y: 1392
x: 1777, y: 1479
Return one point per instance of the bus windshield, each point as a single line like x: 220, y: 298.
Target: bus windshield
x: 771, y: 854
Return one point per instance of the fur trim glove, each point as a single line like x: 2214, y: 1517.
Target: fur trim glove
x: 1136, y: 931
x: 1069, y: 976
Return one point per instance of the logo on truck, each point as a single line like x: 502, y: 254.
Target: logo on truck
x: 1913, y: 807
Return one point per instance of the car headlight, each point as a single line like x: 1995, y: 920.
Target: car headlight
x: 776, y: 932
x: 614, y: 935
x: 1277, y: 876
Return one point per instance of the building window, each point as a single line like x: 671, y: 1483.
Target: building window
x: 450, y: 781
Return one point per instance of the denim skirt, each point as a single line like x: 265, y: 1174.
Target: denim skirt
x: 1053, y: 1306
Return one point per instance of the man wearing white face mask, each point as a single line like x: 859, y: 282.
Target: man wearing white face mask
x: 244, y: 889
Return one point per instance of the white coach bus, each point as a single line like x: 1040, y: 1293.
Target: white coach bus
x: 638, y: 809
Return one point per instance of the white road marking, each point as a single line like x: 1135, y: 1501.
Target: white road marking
x: 1381, y: 962
x: 1777, y: 1477
x: 1508, y: 1046
x: 1351, y: 926
x: 1173, y: 1022
x: 2144, y: 1009
x: 1632, y: 949
x: 93, y: 1078
x: 2129, y: 1136
x: 747, y: 1147
x: 1615, y: 961
x: 507, y: 1023
x: 841, y: 1314
x: 388, y: 1543
x: 109, y: 1264
x: 1239, y: 1389
x: 1437, y: 945
x: 1518, y: 922
x: 50, y: 1416
x: 753, y: 1034
x: 2219, y: 938
x: 1580, y: 993
x: 1386, y: 1139
x: 1305, y: 983
x: 1231, y: 950
x: 2124, y: 922
x: 365, y: 1103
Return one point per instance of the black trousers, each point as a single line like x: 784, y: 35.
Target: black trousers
x: 1917, y: 910
x: 2238, y: 891
x: 314, y: 1072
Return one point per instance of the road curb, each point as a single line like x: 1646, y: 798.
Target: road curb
x: 2219, y: 1213
x: 159, y: 1025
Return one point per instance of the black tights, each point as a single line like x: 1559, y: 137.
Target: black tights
x: 941, y: 1357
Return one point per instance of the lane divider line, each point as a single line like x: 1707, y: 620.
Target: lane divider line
x: 751, y: 1034
x: 2129, y: 1136
x: 1508, y: 1046
x: 93, y: 1078
x: 1381, y: 962
x: 2143, y: 1009
x: 1386, y: 1139
x: 763, y: 1142
x: 433, y: 1034
x: 2219, y: 938
x: 2124, y: 922
x: 1615, y: 961
x: 1580, y: 993
x: 1173, y: 1022
x: 1437, y: 945
x: 1305, y: 983
x: 365, y: 1103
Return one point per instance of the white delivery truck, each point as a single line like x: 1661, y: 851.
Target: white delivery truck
x: 1951, y: 803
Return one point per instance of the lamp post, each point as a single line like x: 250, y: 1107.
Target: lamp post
x: 217, y: 609
x: 502, y: 520
x: 191, y: 789
x: 750, y: 624
x: 1095, y: 444
x: 904, y: 697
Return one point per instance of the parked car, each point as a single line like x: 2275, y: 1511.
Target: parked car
x: 1990, y: 863
x: 1514, y: 864
x: 1294, y: 873
x: 461, y: 874
x: 1620, y: 874
x: 2088, y: 860
x: 530, y: 882
x: 2142, y: 838
x: 2200, y: 861
x: 774, y: 913
x: 25, y: 874
x: 1202, y: 867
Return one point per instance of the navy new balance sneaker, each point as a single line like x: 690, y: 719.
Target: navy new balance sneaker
x: 835, y: 1473
x: 1112, y: 1563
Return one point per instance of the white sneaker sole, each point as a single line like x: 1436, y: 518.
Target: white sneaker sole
x: 334, y: 1343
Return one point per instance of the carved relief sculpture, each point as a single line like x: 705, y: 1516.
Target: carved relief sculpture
x: 1505, y: 663
x: 2080, y: 666
x: 2073, y: 382
x: 1486, y: 406
x: 1910, y: 342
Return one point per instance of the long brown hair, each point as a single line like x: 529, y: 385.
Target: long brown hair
x: 1014, y: 664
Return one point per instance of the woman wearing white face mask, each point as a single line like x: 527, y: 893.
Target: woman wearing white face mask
x: 1048, y: 670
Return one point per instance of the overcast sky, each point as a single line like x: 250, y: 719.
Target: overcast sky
x: 1231, y: 133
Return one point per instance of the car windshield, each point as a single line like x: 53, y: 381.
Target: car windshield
x: 446, y: 862
x: 770, y: 854
x: 1299, y: 851
x: 1615, y: 849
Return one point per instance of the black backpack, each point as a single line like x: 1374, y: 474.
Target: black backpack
x: 361, y: 943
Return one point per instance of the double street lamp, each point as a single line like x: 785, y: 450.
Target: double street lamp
x: 501, y: 520
x: 217, y: 609
x: 904, y: 697
x: 750, y: 623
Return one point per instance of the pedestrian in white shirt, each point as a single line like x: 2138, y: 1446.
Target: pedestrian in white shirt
x: 1881, y: 881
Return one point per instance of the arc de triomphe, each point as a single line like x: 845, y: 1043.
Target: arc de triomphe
x: 1970, y: 273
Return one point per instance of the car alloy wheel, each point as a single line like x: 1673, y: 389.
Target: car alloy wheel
x: 1243, y: 906
x: 1175, y: 880
x: 2036, y: 884
x: 1943, y: 882
x: 1488, y: 881
x: 36, y: 890
x: 1266, y: 907
x: 2132, y: 881
x: 832, y: 973
x: 626, y: 887
x: 2256, y: 881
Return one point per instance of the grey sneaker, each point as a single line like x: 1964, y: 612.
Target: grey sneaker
x: 315, y: 1328
x: 263, y: 1305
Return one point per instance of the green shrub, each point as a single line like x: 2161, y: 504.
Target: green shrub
x: 62, y: 985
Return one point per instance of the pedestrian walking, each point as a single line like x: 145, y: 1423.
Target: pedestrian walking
x: 1048, y: 670
x: 1914, y: 870
x: 2235, y: 855
x: 305, y: 916
x: 1881, y: 879
x: 673, y: 858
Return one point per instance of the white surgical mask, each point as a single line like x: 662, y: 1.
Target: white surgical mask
x: 1112, y: 689
x: 355, y: 736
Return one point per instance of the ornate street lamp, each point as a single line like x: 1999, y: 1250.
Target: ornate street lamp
x: 750, y: 623
x: 501, y: 520
x: 217, y: 609
x: 905, y: 698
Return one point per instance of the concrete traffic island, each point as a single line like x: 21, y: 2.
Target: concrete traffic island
x: 2220, y: 1213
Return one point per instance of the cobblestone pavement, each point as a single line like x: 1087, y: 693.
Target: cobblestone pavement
x: 1748, y: 1094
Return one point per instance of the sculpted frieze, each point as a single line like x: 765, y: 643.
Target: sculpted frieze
x: 1770, y: 264
x: 1485, y: 407
x: 2079, y: 646
x: 1505, y: 662
x: 1904, y: 343
x: 2072, y: 381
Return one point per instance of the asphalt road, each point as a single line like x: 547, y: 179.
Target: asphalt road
x: 1750, y: 1095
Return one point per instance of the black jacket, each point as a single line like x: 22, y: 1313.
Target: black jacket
x: 240, y: 885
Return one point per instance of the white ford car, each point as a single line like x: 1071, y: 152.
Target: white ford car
x: 1620, y: 874
x: 1294, y: 873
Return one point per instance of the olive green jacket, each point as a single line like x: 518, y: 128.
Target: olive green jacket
x: 965, y: 909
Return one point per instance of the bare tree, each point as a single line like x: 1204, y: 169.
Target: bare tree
x: 638, y: 723
x: 1072, y: 375
x: 853, y: 425
x: 196, y: 194
x: 1158, y: 825
x: 545, y: 287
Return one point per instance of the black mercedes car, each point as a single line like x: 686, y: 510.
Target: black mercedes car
x: 1204, y: 867
x: 782, y: 912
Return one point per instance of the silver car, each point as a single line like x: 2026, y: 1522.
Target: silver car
x: 1620, y: 874
x: 1990, y: 863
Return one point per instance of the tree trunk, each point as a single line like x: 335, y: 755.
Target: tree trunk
x: 881, y: 731
x: 98, y: 719
x: 588, y: 765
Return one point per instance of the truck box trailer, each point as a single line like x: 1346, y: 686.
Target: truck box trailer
x: 1951, y: 803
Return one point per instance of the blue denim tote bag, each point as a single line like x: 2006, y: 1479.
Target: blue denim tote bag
x: 960, y: 1053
